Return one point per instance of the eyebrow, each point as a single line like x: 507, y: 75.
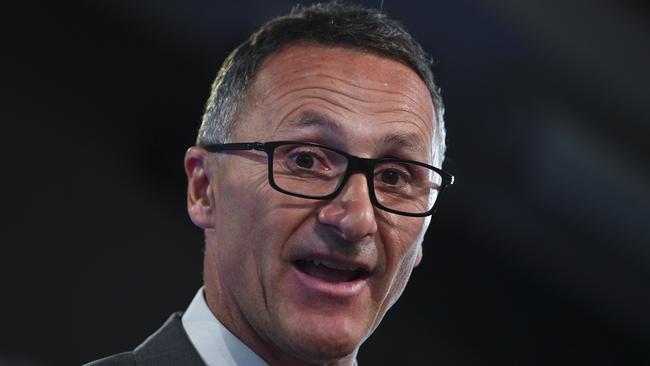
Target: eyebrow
x: 315, y: 119
x: 408, y: 140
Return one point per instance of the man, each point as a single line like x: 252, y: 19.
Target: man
x: 315, y: 172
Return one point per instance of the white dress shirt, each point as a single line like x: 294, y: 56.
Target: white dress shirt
x: 215, y: 344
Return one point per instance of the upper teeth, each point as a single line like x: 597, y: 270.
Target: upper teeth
x: 326, y: 263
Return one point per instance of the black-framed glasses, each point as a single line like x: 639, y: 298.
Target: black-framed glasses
x: 314, y: 171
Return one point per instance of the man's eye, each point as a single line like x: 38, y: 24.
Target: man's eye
x: 391, y: 177
x: 305, y: 161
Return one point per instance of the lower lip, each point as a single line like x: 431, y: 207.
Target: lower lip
x: 333, y: 289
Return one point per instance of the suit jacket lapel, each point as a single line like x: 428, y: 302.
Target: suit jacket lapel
x: 169, y: 346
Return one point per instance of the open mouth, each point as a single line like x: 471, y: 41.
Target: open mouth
x: 330, y: 271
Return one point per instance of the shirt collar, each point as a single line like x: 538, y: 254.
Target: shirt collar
x: 214, y: 343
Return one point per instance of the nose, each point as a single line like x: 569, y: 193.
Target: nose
x: 351, y: 213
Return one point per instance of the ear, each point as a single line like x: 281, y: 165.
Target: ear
x: 199, y: 198
x: 418, y: 259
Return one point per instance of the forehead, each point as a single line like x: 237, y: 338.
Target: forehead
x: 357, y: 66
x: 355, y: 92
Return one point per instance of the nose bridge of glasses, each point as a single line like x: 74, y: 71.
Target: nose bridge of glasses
x: 360, y: 165
x: 357, y: 165
x: 354, y: 193
x: 357, y: 169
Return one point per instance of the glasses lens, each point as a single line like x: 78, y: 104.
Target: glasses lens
x: 307, y: 170
x: 406, y: 187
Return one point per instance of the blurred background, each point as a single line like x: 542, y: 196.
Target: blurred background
x: 539, y: 255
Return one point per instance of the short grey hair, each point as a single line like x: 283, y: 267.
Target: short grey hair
x: 332, y: 25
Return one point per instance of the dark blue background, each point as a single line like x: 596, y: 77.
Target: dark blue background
x: 540, y: 255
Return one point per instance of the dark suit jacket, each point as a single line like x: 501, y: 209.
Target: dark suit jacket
x: 169, y: 346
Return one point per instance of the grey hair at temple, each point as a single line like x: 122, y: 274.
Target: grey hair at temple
x: 332, y: 25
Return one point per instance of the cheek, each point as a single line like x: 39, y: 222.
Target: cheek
x: 237, y: 195
x: 239, y: 211
x: 402, y: 250
x: 402, y: 236
x: 402, y: 274
x: 260, y: 218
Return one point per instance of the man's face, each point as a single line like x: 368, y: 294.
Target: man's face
x: 306, y: 278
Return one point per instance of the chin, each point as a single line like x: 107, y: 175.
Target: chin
x: 325, y: 351
x: 325, y: 341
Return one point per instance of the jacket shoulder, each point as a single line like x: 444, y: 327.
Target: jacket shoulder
x: 121, y: 359
x: 169, y: 346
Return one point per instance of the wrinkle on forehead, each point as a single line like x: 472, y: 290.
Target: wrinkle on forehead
x: 354, y: 102
x: 346, y: 83
x: 360, y: 69
x: 349, y: 71
x: 382, y: 88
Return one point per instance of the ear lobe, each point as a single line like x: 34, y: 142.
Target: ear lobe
x: 199, y: 199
